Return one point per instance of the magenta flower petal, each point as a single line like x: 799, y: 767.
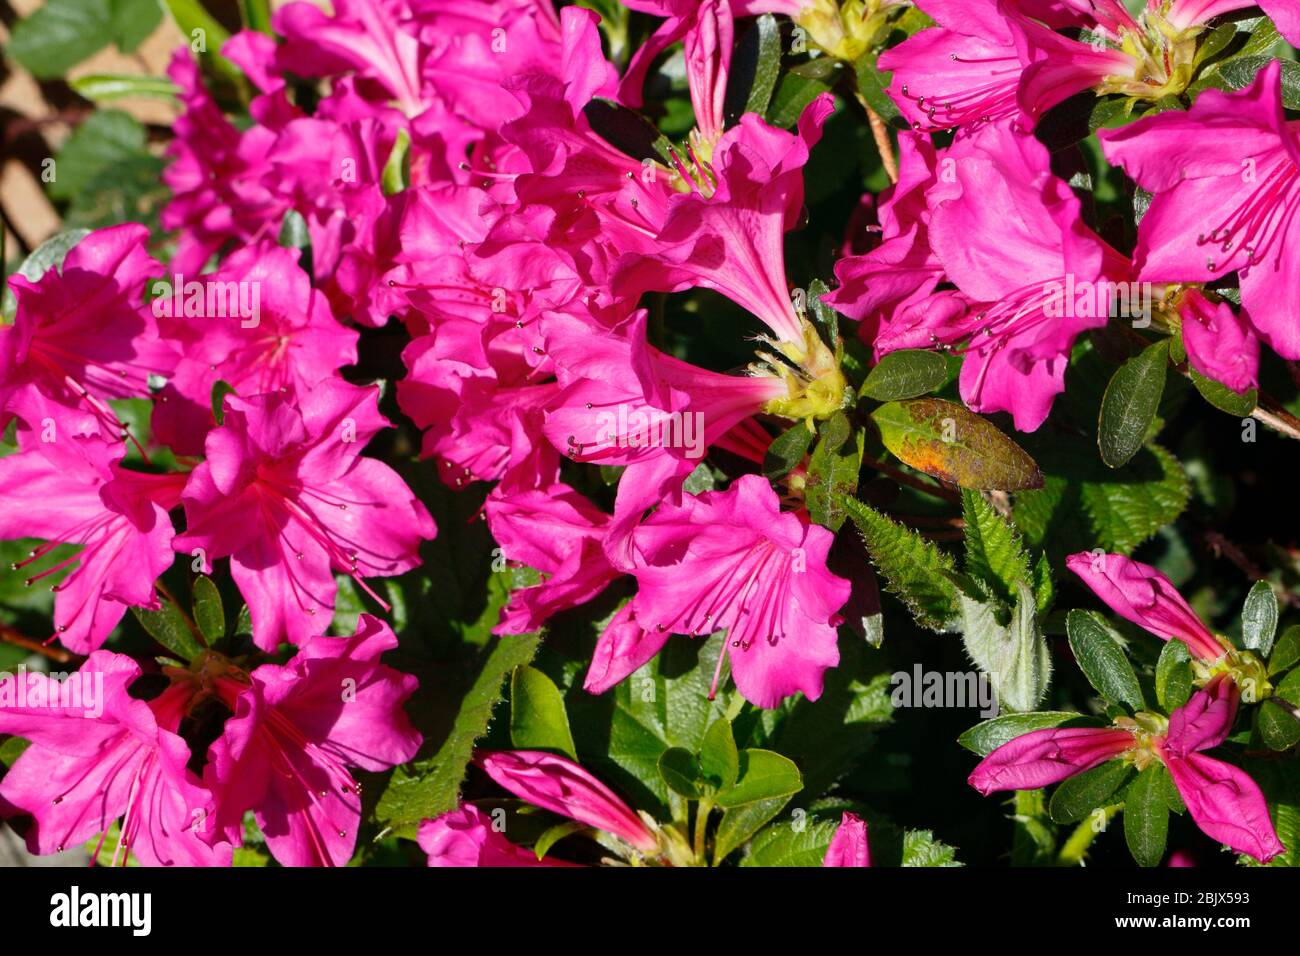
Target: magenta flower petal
x: 1226, y: 804
x: 1139, y: 593
x: 558, y: 784
x: 1043, y: 757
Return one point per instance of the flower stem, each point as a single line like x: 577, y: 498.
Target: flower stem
x: 701, y: 828
x: 1076, y: 848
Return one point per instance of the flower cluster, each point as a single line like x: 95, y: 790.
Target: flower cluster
x: 460, y: 174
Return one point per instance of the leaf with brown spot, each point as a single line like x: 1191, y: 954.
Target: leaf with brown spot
x: 945, y: 440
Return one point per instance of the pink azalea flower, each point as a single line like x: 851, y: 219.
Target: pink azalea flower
x: 1185, y: 14
x: 74, y: 491
x: 1038, y: 278
x: 367, y: 36
x: 992, y: 60
x: 726, y: 234
x: 214, y: 176
x: 82, y: 335
x: 295, y: 732
x: 479, y: 50
x: 962, y: 72
x: 1223, y: 800
x: 593, y: 193
x: 284, y: 493
x: 1139, y: 593
x: 329, y: 171
x: 1226, y: 188
x: 559, y: 533
x: 474, y: 394
x: 624, y: 401
x: 465, y: 837
x: 559, y: 785
x: 901, y: 272
x: 1057, y: 67
x: 707, y: 29
x: 733, y: 561
x: 849, y: 844
x: 118, y: 759
x: 291, y: 342
x: 1220, y: 344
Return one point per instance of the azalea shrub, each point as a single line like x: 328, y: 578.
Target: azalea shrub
x: 660, y: 433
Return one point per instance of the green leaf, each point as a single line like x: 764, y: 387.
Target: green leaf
x: 756, y: 64
x: 920, y: 848
x: 431, y: 787
x: 1107, y: 110
x: 872, y: 84
x: 1173, y: 675
x: 993, y: 551
x: 1146, y: 816
x: 538, y: 720
x: 1259, y: 619
x: 945, y: 440
x: 132, y: 21
x: 169, y: 628
x: 554, y: 835
x: 833, y: 471
x: 763, y: 775
x: 1216, y: 42
x: 1015, y: 656
x: 827, y: 319
x: 1085, y: 504
x: 741, y: 822
x: 986, y: 737
x: 209, y: 614
x: 907, y: 373
x: 915, y: 570
x: 666, y: 703
x: 719, y: 758
x: 59, y: 34
x: 788, y: 845
x: 105, y: 139
x: 131, y: 188
x: 1277, y: 715
x: 1236, y: 404
x: 1044, y: 586
x: 196, y: 23
x: 1286, y: 652
x: 799, y: 87
x: 1130, y: 404
x: 787, y: 451
x: 680, y: 770
x: 106, y: 87
x: 257, y: 15
x: 12, y: 749
x: 396, y: 171
x: 1079, y: 795
x: 1239, y: 72
x: 1099, y: 655
x: 220, y: 390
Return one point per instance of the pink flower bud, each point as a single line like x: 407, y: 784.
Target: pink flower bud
x: 465, y: 837
x: 1139, y: 593
x: 561, y: 786
x: 1047, y: 756
x: 849, y: 844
